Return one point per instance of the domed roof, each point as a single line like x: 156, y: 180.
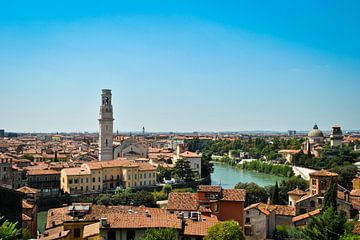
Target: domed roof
x: 315, y: 132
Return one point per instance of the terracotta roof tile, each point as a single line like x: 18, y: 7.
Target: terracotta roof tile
x: 209, y: 188
x: 182, y: 201
x: 188, y: 154
x: 200, y: 228
x: 355, y: 193
x: 233, y: 195
x: 323, y: 173
x: 297, y: 192
x: 306, y: 215
x: 91, y: 230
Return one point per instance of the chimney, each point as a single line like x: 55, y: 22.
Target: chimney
x: 103, y: 222
x: 268, y: 203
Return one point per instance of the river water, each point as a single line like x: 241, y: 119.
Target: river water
x: 229, y: 176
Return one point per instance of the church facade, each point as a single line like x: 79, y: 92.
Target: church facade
x: 129, y: 148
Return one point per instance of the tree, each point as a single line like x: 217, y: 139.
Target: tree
x: 228, y: 230
x: 330, y: 197
x: 330, y: 225
x: 160, y: 234
x: 346, y: 174
x: 28, y: 156
x: 254, y: 193
x: 183, y: 170
x: 275, y: 198
x: 289, y: 185
x: 167, y: 188
x: 206, y: 166
x: 9, y: 231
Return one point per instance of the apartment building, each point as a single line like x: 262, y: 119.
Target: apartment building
x: 103, y: 176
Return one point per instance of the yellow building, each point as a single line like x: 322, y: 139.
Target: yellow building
x: 356, y: 183
x: 102, y: 176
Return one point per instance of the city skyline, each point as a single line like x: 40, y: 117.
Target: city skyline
x: 180, y: 67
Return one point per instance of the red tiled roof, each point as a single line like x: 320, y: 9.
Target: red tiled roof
x: 323, y: 173
x: 233, y: 195
x: 182, y: 201
x: 297, y: 192
x: 209, y: 188
x: 200, y: 228
x: 188, y: 154
x: 306, y: 215
x: 33, y: 172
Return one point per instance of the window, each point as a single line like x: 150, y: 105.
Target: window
x: 82, y: 180
x: 76, y: 232
x: 70, y: 181
x: 217, y: 207
x: 140, y: 183
x: 313, y: 181
x: 99, y: 187
x: 111, y: 235
x: 140, y: 176
x: 247, y: 220
x: 87, y: 180
x: 76, y: 180
x: 82, y: 188
x: 130, y: 235
x: 106, y: 142
x: 129, y: 177
x: 312, y: 203
x: 93, y: 179
x: 93, y: 187
x: 99, y: 179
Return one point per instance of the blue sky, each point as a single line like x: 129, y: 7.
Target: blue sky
x: 180, y: 65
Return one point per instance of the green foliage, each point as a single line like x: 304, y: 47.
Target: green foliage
x: 182, y: 170
x: 167, y: 188
x: 160, y: 234
x: 269, y: 168
x: 127, y: 198
x: 330, y: 197
x: 183, y: 190
x: 163, y: 173
x: 254, y: 193
x: 228, y: 230
x: 290, y: 184
x: 287, y: 232
x: 28, y: 156
x: 9, y: 231
x: 160, y: 196
x: 339, y: 160
x: 25, y: 234
x: 275, y: 197
x: 206, y: 166
x: 330, y: 225
x: 346, y: 174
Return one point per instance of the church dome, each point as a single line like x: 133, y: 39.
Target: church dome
x: 315, y: 132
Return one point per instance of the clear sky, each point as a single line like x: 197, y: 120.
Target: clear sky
x: 180, y: 65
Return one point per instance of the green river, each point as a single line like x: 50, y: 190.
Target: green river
x: 229, y: 176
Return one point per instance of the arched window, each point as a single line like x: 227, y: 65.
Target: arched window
x: 106, y: 142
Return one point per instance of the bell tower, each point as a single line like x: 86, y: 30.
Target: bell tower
x: 106, y: 127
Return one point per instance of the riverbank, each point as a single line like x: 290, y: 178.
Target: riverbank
x: 228, y: 176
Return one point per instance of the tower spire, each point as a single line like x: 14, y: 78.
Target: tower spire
x: 106, y: 121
